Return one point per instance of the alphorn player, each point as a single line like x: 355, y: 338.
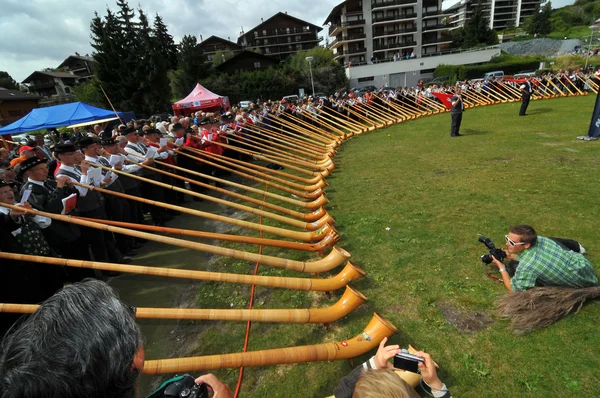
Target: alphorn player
x: 456, y: 112
x: 526, y: 91
x: 81, y: 342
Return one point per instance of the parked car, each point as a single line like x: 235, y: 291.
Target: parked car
x: 521, y: 75
x: 439, y: 80
x: 290, y: 98
x: 160, y: 117
x: 367, y: 89
x: 494, y: 74
x: 320, y: 95
x: 245, y: 104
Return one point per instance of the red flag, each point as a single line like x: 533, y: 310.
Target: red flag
x: 445, y: 98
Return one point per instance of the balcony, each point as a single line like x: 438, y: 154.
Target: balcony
x: 394, y: 46
x: 436, y: 40
x: 394, y: 32
x: 41, y: 86
x: 284, y: 42
x: 356, y: 22
x: 358, y: 50
x: 390, y: 3
x: 432, y: 28
x: 394, y: 18
x: 354, y: 9
x: 281, y: 32
x: 438, y: 13
x: 343, y: 39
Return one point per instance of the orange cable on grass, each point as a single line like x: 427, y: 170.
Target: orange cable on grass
x: 250, y: 305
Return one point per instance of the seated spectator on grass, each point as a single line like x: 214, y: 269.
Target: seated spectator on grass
x: 544, y: 261
x: 376, y: 378
x: 81, y: 342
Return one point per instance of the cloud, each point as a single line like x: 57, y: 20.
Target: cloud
x: 38, y: 34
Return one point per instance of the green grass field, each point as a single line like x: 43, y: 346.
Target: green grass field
x: 409, y: 202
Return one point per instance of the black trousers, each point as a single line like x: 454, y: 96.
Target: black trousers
x: 524, y: 105
x: 455, y: 126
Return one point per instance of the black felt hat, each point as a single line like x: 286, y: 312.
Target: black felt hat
x: 87, y: 141
x: 108, y: 141
x: 127, y: 130
x: 28, y: 164
x: 64, y: 148
x: 177, y: 127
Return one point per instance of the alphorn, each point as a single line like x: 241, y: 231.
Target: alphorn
x: 309, y: 217
x: 316, y: 182
x: 322, y: 121
x: 373, y: 123
x: 286, y: 233
x: 321, y: 246
x: 277, y: 140
x: 349, y: 273
x: 367, y: 340
x: 285, y: 220
x: 335, y: 258
x: 315, y: 204
x: 346, y: 118
x: 300, y: 141
x: 334, y: 139
x: 302, y: 130
x: 349, y: 301
x: 303, y: 193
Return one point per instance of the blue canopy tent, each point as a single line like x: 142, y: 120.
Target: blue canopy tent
x: 58, y: 116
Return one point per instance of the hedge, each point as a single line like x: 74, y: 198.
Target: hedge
x: 466, y: 72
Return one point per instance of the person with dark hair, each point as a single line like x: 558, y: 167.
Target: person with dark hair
x: 456, y: 112
x: 544, y: 261
x: 81, y: 342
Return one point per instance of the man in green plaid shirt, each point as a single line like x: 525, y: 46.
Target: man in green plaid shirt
x: 543, y: 262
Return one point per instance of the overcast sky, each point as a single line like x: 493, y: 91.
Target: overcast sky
x: 37, y: 34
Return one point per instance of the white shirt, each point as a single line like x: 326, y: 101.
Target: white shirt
x: 82, y: 180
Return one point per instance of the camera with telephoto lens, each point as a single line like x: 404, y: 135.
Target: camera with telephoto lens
x: 186, y: 387
x: 494, y: 251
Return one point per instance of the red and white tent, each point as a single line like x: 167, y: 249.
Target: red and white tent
x: 200, y: 99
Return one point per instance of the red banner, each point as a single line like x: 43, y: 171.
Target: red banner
x: 445, y: 98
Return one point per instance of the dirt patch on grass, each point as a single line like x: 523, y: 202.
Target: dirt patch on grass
x: 544, y: 135
x: 466, y: 322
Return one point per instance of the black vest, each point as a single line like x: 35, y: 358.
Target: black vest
x: 92, y: 201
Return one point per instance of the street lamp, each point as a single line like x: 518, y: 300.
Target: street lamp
x: 309, y: 59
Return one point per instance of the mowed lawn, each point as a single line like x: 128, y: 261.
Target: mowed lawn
x: 409, y: 203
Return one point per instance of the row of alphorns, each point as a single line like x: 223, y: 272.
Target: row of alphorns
x: 306, y: 148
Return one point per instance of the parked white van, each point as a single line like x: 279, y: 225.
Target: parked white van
x: 495, y: 74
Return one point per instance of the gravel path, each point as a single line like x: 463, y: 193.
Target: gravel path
x: 547, y: 47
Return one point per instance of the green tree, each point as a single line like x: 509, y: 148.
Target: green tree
x: 477, y: 30
x: 164, y: 42
x: 90, y: 93
x: 7, y: 82
x: 328, y: 75
x: 191, y: 67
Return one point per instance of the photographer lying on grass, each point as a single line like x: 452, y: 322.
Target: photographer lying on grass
x: 376, y: 378
x: 544, y: 261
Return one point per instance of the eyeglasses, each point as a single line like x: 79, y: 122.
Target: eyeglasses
x: 512, y: 242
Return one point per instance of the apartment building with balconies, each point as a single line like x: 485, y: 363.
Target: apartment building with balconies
x: 280, y: 36
x: 501, y: 14
x: 379, y: 30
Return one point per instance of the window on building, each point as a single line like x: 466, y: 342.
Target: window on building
x: 267, y: 51
x: 255, y: 34
x: 289, y: 39
x: 287, y: 30
x: 264, y: 32
x: 298, y: 46
x: 15, y: 112
x: 266, y: 41
x: 257, y: 65
x: 298, y: 38
x: 366, y: 79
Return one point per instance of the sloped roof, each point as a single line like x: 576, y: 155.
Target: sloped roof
x: 15, y: 95
x: 334, y: 12
x: 62, y: 75
x: 216, y: 39
x: 66, y: 61
x: 248, y: 54
x: 281, y: 15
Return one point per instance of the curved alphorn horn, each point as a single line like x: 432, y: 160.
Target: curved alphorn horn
x: 349, y: 301
x: 335, y: 258
x: 317, y: 181
x: 325, y: 243
x: 308, y: 217
x: 370, y: 337
x: 349, y: 273
x: 285, y: 220
x: 315, y: 204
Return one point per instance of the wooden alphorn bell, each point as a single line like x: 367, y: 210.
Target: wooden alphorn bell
x: 349, y: 301
x: 334, y: 259
x: 367, y: 340
x: 349, y: 273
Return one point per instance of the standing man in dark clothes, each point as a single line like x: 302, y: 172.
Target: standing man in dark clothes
x: 526, y: 94
x: 456, y: 112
